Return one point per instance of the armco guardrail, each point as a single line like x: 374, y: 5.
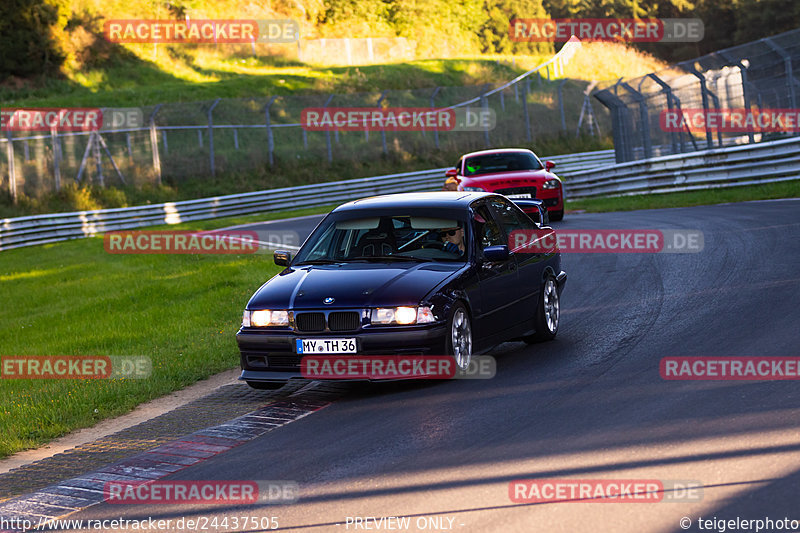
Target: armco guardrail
x: 41, y: 229
x: 750, y: 164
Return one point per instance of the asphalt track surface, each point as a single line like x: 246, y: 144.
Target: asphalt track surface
x: 590, y: 404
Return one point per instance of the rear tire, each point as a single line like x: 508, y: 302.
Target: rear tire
x: 263, y: 385
x: 548, y: 313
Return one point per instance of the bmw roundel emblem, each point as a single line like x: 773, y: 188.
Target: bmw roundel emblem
x: 328, y: 300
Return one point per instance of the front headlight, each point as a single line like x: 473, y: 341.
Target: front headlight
x: 551, y: 184
x: 265, y: 317
x: 403, y: 315
x: 474, y: 189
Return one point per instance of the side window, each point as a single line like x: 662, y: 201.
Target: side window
x: 510, y: 216
x: 486, y: 230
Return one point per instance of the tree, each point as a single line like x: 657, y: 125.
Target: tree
x: 29, y: 29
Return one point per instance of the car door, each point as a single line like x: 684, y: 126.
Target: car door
x: 498, y: 280
x: 530, y: 261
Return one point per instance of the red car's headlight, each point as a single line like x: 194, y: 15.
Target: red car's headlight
x: 551, y: 184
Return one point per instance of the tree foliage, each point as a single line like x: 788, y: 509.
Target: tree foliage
x: 29, y: 31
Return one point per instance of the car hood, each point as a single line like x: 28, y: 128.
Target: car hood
x: 502, y: 180
x: 352, y: 285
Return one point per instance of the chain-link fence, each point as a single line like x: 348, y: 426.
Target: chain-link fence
x: 186, y: 141
x: 708, y: 102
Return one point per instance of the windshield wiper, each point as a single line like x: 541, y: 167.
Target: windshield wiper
x: 319, y: 262
x: 391, y: 258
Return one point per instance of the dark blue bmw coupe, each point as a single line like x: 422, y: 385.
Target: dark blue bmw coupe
x: 403, y: 274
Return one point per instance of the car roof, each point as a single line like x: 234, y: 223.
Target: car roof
x: 427, y: 200
x: 497, y: 151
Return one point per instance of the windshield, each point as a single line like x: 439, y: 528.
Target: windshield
x: 387, y: 238
x: 501, y: 162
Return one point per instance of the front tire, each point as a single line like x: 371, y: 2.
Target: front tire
x: 459, y: 337
x: 548, y: 313
x: 555, y: 216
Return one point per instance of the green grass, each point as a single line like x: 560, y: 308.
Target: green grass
x: 73, y: 298
x: 786, y: 189
x: 139, y: 83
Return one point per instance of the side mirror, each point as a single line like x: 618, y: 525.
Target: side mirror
x: 496, y: 253
x: 282, y: 258
x: 451, y: 173
x: 544, y: 215
x: 548, y: 165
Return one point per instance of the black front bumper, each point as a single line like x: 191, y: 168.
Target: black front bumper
x: 270, y: 356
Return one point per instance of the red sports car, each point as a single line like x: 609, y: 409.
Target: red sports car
x: 512, y: 172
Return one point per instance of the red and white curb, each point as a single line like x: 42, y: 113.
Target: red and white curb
x: 57, y: 501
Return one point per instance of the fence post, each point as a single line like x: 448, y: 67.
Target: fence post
x: 270, y: 141
x: 485, y: 105
x: 787, y: 65
x: 677, y: 146
x: 383, y: 132
x: 436, y: 126
x: 98, y: 160
x: 12, y: 171
x: 745, y: 88
x: 525, y: 115
x: 56, y: 158
x: 211, y: 137
x: 644, y: 120
x: 154, y: 144
x: 328, y: 133
x: 704, y: 95
x: 561, y: 104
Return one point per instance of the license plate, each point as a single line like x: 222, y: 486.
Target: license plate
x: 312, y: 346
x: 519, y: 195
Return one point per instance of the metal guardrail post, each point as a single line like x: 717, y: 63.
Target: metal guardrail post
x: 787, y: 65
x: 211, y: 137
x: 270, y: 140
x: 12, y: 171
x: 561, y: 104
x: 154, y: 144
x: 436, y: 127
x: 384, y: 94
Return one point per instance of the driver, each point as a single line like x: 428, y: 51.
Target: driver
x: 453, y: 239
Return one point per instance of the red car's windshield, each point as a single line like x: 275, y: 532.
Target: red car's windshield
x: 501, y: 162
